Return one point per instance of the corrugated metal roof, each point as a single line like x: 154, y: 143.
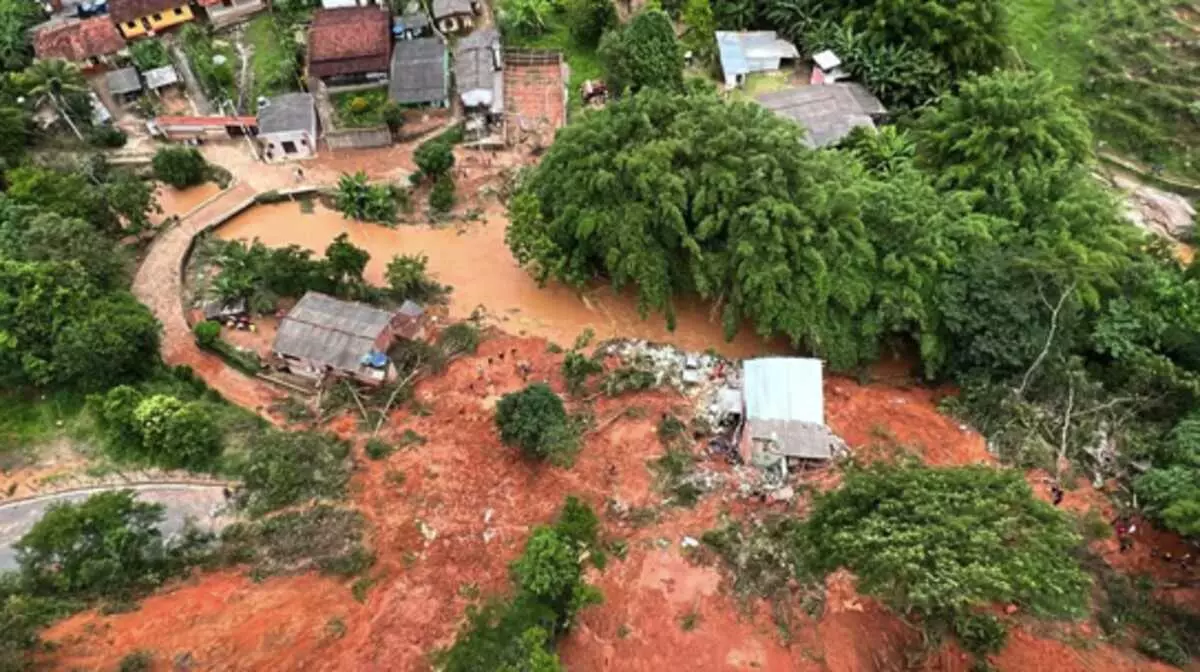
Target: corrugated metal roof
x: 827, y: 111
x: 738, y: 48
x: 331, y: 332
x: 287, y: 113
x: 123, y: 81
x: 419, y: 71
x: 157, y: 78
x: 784, y: 388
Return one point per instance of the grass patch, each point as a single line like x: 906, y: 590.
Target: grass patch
x: 583, y: 61
x: 274, y: 63
x: 359, y: 109
x: 30, y: 418
x: 1130, y: 70
x: 213, y: 61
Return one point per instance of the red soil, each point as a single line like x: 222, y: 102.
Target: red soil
x: 448, y: 516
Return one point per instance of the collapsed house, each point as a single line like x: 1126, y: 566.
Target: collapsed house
x: 784, y: 412
x: 479, y: 79
x: 323, y: 336
x: 828, y: 112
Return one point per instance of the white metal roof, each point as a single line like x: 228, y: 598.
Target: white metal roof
x: 784, y: 388
x: 826, y: 60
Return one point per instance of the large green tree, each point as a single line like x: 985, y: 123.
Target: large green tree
x: 106, y: 546
x: 645, y: 53
x: 687, y: 194
x: 58, y: 328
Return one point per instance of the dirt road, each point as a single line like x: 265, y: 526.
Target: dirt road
x: 158, y: 284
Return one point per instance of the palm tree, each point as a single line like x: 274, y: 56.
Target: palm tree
x: 55, y: 78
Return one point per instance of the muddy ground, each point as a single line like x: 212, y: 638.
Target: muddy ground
x: 448, y: 516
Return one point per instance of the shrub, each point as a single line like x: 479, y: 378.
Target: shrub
x: 434, y: 158
x: 138, y: 661
x: 441, y: 197
x: 981, y: 634
x: 177, y: 434
x: 535, y: 421
x: 377, y: 449
x: 287, y: 467
x: 180, y: 167
x: 359, y: 104
x: 460, y: 337
x: 107, y: 137
x: 393, y: 116
x: 149, y: 54
x: 207, y: 333
x: 407, y: 278
x: 358, y: 199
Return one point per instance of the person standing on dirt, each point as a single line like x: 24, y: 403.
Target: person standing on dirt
x: 1056, y: 493
x: 1124, y: 534
x: 299, y: 174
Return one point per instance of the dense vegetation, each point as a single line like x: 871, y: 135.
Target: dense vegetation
x: 939, y: 546
x: 978, y: 236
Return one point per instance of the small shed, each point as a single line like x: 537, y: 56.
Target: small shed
x: 827, y: 68
x: 160, y: 78
x: 453, y: 16
x: 785, y: 409
x: 753, y: 51
x: 123, y: 84
x: 410, y: 320
x: 420, y: 72
x: 287, y: 127
x: 323, y: 336
x: 827, y: 112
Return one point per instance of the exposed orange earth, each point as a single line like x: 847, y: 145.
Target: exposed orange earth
x: 446, y: 532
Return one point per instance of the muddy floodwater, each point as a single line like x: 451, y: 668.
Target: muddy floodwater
x: 479, y: 266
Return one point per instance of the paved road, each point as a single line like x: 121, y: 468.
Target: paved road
x: 159, y: 285
x: 197, y: 502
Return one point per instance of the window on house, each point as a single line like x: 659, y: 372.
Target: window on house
x: 131, y: 24
x: 178, y: 11
x: 157, y: 17
x: 289, y: 147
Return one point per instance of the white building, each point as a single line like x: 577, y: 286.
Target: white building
x: 287, y: 127
x: 339, y: 4
x: 743, y: 53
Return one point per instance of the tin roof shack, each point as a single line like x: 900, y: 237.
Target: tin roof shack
x: 323, y: 336
x: 160, y: 78
x: 827, y: 112
x: 124, y: 85
x: 420, y: 72
x: 350, y: 46
x: 785, y: 412
x: 753, y: 51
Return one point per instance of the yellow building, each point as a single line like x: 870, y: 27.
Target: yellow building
x: 135, y: 18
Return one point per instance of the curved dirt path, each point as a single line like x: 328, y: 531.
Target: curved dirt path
x: 159, y: 285
x: 183, y: 501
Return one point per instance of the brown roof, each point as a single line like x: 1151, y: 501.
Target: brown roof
x: 128, y: 10
x: 349, y: 41
x: 77, y: 40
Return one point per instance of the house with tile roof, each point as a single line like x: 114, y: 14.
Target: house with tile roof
x: 350, y: 46
x: 87, y: 42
